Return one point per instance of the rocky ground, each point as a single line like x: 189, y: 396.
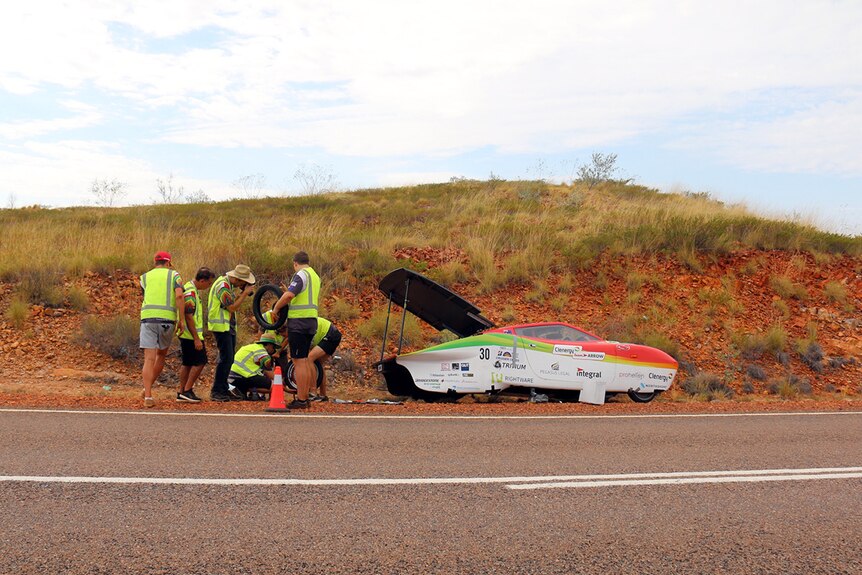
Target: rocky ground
x: 45, y: 362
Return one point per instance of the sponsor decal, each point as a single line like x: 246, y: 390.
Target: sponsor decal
x: 466, y: 375
x: 661, y: 377
x: 456, y: 366
x: 510, y: 365
x: 578, y: 352
x: 555, y: 366
x: 588, y: 374
x: 516, y: 379
x: 428, y: 380
x: 504, y: 354
x: 444, y: 367
x: 623, y: 347
x: 497, y: 364
x: 549, y: 372
x: 651, y: 386
x: 567, y: 349
x: 465, y: 367
x: 630, y: 375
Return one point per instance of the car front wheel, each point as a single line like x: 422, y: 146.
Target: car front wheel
x: 642, y: 396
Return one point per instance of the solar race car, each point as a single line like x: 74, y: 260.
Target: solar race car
x: 554, y: 358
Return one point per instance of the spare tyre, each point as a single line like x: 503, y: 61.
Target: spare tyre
x: 259, y: 294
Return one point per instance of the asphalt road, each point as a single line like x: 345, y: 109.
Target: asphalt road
x: 489, y: 511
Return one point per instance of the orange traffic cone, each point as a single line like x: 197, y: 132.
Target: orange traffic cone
x: 276, y: 393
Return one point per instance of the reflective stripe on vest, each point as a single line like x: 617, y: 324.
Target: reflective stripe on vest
x: 218, y: 318
x: 323, y: 326
x: 305, y: 303
x: 199, y: 312
x: 244, y: 363
x: 158, y: 294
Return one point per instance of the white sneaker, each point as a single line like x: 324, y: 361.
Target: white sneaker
x: 149, y: 402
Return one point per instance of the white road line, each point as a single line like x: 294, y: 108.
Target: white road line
x: 540, y: 481
x: 686, y: 481
x: 285, y: 417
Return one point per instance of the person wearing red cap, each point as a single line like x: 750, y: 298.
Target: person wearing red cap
x: 163, y: 294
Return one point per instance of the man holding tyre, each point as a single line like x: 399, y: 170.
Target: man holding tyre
x: 221, y: 320
x: 302, y: 300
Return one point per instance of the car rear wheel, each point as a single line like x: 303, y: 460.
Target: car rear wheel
x: 642, y: 396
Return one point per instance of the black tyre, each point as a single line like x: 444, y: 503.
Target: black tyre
x: 642, y: 396
x: 290, y: 377
x: 259, y: 294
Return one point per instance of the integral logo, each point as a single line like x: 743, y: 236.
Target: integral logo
x: 465, y: 367
x: 503, y: 354
x: 588, y: 374
x: 497, y: 364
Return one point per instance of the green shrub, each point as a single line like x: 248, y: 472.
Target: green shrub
x: 707, y: 386
x: 41, y: 286
x: 116, y: 336
x: 18, y: 313
x: 662, y: 342
x: 784, y: 287
x: 788, y: 387
x: 373, y: 327
x: 78, y: 298
x: 342, y: 310
x: 835, y: 291
x: 449, y: 273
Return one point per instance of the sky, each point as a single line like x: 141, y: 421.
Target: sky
x: 752, y: 102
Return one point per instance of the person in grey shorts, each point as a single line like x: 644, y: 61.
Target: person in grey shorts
x: 163, y: 294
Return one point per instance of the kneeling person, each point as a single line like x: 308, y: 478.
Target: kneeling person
x: 323, y: 346
x: 252, y: 366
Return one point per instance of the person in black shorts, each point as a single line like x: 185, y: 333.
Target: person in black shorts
x: 323, y: 347
x: 192, y: 346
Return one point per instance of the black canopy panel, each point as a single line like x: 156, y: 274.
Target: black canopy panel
x: 433, y: 303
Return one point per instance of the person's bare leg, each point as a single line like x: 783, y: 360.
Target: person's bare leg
x: 149, y: 371
x: 185, y: 370
x: 194, y: 374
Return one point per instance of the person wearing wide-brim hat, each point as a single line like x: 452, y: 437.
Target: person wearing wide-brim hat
x: 252, y: 369
x: 225, y: 297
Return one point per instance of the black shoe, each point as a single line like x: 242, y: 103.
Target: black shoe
x: 298, y: 404
x: 188, y: 397
x: 312, y: 397
x: 220, y: 397
x: 191, y: 393
x: 234, y: 395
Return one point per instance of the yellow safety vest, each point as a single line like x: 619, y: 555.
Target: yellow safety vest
x: 306, y: 302
x: 323, y: 325
x: 245, y: 362
x: 158, y: 284
x: 218, y: 318
x: 199, y: 312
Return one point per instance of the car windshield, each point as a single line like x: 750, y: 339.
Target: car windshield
x: 555, y: 332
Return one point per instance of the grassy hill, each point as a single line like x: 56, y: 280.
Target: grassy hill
x: 723, y: 289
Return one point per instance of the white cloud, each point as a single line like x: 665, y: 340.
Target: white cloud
x: 384, y: 78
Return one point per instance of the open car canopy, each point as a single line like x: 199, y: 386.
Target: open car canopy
x: 433, y: 303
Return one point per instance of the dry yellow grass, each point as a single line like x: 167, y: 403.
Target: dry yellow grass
x: 491, y: 223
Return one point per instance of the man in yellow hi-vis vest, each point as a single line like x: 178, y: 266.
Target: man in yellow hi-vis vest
x: 302, y: 300
x: 192, y: 347
x: 163, y: 295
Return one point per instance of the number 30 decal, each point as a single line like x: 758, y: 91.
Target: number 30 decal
x: 484, y: 353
